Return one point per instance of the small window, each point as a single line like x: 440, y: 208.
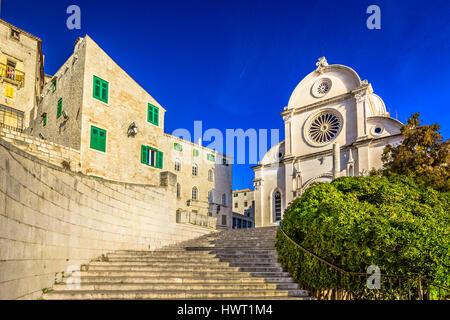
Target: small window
x: 245, y: 204
x: 210, y: 196
x: 210, y: 175
x: 235, y: 195
x: 195, y: 153
x: 101, y: 88
x: 245, y: 193
x: 378, y: 130
x: 54, y: 84
x: 153, y: 114
x: 59, y: 110
x: 15, y: 34
x: 194, y: 193
x: 177, y: 165
x: 194, y: 169
x: 98, y: 139
x: 44, y: 119
x: 224, y: 162
x: 178, y: 146
x: 178, y: 190
x: 152, y: 157
x: 236, y: 204
x: 211, y: 157
x: 224, y: 219
x: 224, y: 199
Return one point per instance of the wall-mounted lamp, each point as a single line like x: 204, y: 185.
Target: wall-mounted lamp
x: 132, y: 129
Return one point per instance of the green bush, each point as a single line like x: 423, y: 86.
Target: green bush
x: 354, y: 222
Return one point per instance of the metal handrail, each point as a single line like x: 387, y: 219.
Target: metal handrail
x: 419, y: 278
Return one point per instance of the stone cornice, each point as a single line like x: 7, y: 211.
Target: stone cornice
x: 328, y: 152
x: 342, y: 97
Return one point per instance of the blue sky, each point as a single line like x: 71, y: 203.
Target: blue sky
x: 234, y: 64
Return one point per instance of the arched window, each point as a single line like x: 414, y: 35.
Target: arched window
x: 194, y: 193
x: 178, y: 190
x: 195, y: 169
x: 224, y: 199
x: 277, y: 205
x: 210, y: 175
x: 210, y: 196
x: 177, y: 164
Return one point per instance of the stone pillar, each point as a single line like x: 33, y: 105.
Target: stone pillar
x: 336, y: 160
x: 259, y: 205
x: 289, y: 176
x: 287, y: 130
x: 361, y: 129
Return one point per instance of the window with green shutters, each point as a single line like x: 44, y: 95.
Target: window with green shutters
x: 44, y: 120
x: 211, y: 157
x: 54, y: 85
x: 195, y: 153
x: 59, y: 110
x: 101, y: 89
x: 178, y: 146
x: 98, y: 139
x: 152, y: 157
x: 153, y: 114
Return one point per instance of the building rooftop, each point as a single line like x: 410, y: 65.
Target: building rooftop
x: 20, y: 30
x: 243, y: 190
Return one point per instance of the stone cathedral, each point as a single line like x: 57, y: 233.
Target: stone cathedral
x: 335, y: 125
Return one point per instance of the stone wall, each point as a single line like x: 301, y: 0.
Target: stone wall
x: 43, y: 149
x: 51, y: 219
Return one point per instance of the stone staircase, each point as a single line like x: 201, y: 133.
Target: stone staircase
x: 232, y: 264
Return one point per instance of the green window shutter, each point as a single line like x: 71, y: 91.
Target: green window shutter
x: 98, y: 139
x: 195, y: 152
x: 105, y: 92
x: 153, y: 114
x: 59, y: 111
x: 54, y: 86
x: 159, y: 159
x: 156, y: 116
x: 150, y: 113
x: 178, y: 146
x: 144, y: 154
x: 211, y: 157
x: 97, y: 87
x: 101, y: 88
x: 45, y: 120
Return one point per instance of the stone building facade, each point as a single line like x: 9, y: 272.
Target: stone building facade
x: 94, y: 106
x: 21, y: 75
x: 335, y: 125
x: 243, y: 208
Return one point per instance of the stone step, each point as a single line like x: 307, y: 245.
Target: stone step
x: 182, y: 274
x: 238, y: 278
x: 166, y: 294
x: 86, y: 286
x: 211, y: 259
x: 171, y: 267
x: 190, y: 264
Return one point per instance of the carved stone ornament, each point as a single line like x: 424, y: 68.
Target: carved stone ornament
x: 360, y: 97
x: 322, y: 63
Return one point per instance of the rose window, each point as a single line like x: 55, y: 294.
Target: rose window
x: 324, y: 128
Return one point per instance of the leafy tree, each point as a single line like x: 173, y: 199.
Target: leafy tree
x: 395, y: 223
x: 423, y: 154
